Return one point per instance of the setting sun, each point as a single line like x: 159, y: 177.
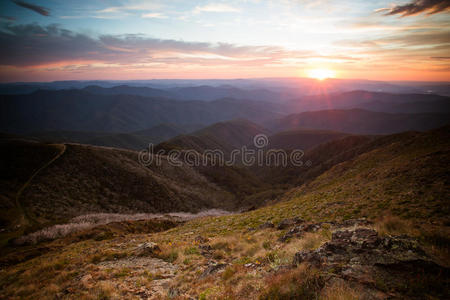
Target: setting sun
x: 321, y: 74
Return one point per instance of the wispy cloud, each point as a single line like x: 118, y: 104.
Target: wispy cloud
x: 216, y: 7
x: 154, y: 16
x: 54, y: 45
x: 36, y: 8
x: 417, y: 7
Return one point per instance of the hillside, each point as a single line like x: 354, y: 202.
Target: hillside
x: 137, y: 140
x: 224, y: 136
x: 307, y: 246
x: 360, y: 121
x: 302, y: 139
x: 107, y: 180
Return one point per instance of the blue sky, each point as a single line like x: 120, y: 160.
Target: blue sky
x: 355, y: 39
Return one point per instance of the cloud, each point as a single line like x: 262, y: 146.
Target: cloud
x: 33, y: 45
x: 216, y: 7
x: 153, y: 16
x: 417, y: 7
x: 36, y: 8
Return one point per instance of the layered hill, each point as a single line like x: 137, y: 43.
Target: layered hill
x: 223, y: 136
x: 360, y: 121
x: 76, y: 110
x: 302, y: 139
x: 375, y: 101
x: 200, y: 92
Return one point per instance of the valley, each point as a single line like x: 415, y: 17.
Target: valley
x: 82, y: 210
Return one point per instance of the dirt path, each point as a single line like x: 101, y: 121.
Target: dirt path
x: 25, y: 217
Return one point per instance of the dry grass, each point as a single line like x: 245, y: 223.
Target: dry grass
x: 303, y: 282
x: 339, y: 291
x: 393, y: 225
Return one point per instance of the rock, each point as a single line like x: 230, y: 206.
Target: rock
x: 147, y: 249
x: 299, y: 230
x: 353, y: 222
x: 306, y: 256
x: 266, y: 225
x: 289, y: 222
x: 359, y: 255
x: 212, y: 268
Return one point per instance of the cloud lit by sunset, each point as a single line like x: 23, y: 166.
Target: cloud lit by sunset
x: 133, y: 39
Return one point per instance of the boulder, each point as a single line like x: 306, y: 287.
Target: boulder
x: 299, y: 230
x: 147, y: 249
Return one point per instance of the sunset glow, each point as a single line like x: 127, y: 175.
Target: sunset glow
x: 138, y: 39
x: 321, y: 74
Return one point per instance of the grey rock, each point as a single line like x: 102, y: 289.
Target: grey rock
x: 147, y: 249
x: 212, y: 268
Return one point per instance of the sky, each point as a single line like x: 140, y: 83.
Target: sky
x: 137, y: 39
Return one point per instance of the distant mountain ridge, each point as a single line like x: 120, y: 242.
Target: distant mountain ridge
x: 75, y: 110
x: 374, y: 101
x: 359, y: 121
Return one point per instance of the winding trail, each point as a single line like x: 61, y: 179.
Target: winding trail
x: 25, y: 217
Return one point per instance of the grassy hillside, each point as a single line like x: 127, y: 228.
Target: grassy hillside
x: 399, y: 181
x: 87, y: 179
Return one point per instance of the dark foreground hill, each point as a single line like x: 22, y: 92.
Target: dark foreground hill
x: 360, y: 121
x: 87, y: 179
x: 136, y: 140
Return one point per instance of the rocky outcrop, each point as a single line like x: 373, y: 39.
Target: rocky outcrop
x: 299, y: 230
x: 360, y: 255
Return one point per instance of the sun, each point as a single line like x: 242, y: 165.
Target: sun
x: 321, y: 74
